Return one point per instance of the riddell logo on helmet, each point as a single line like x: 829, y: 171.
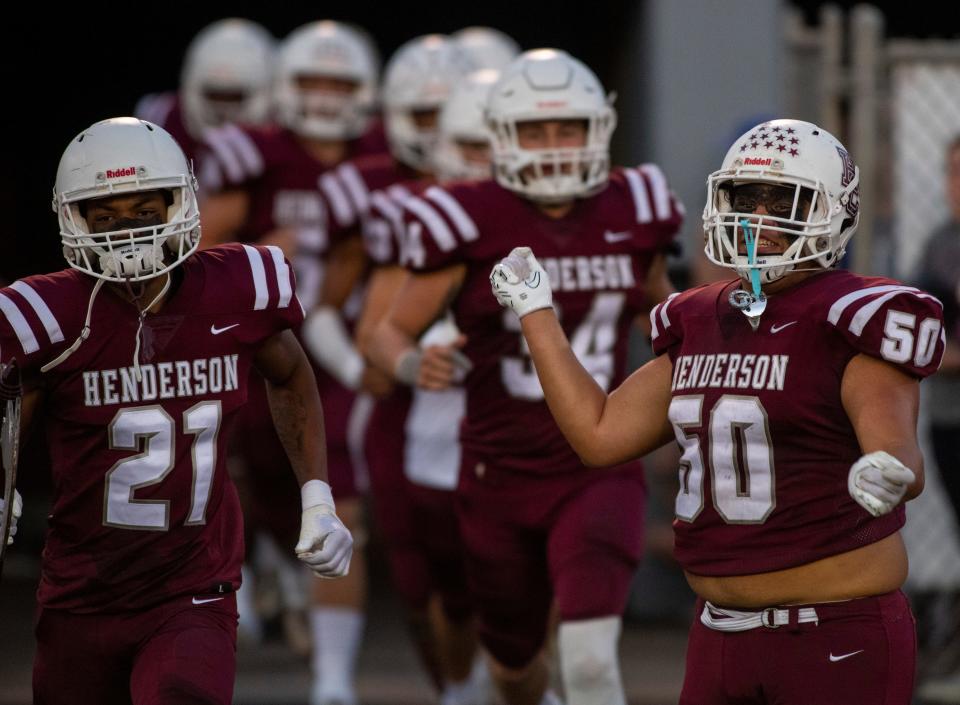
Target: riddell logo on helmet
x: 552, y: 104
x: 759, y: 161
x: 122, y: 171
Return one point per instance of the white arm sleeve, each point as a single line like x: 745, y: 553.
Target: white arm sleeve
x: 330, y: 344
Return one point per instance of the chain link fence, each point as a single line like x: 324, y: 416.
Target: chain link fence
x: 896, y: 104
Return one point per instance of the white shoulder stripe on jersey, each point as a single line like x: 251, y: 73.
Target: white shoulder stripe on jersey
x: 640, y: 198
x: 654, y: 330
x: 28, y: 341
x: 225, y: 156
x: 841, y: 304
x: 678, y: 204
x: 356, y: 187
x: 387, y: 207
x: 259, y: 278
x: 863, y: 316
x: 210, y: 176
x: 398, y: 193
x: 663, y: 310
x: 338, y: 199
x: 283, y: 276
x: 245, y: 148
x: 456, y: 213
x: 434, y: 222
x: 661, y: 194
x: 40, y: 307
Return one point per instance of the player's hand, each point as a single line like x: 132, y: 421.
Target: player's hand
x: 520, y: 283
x: 325, y: 544
x: 435, y: 367
x: 17, y: 511
x: 878, y: 482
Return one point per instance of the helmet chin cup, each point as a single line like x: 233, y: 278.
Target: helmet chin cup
x: 132, y: 262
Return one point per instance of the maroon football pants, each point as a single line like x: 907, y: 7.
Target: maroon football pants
x: 181, y: 652
x: 418, y: 524
x: 574, y: 539
x: 862, y: 652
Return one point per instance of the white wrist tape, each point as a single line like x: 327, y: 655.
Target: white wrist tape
x: 407, y: 369
x: 330, y: 344
x: 314, y: 493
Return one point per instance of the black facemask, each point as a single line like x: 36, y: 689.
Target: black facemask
x: 128, y: 224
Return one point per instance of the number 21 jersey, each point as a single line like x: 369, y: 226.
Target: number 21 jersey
x: 143, y: 509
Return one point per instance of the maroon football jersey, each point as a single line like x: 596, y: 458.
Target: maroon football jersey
x: 143, y: 507
x: 767, y: 445
x: 363, y: 178
x: 596, y: 257
x: 166, y: 110
x: 383, y: 224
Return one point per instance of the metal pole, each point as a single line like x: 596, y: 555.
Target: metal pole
x: 866, y: 40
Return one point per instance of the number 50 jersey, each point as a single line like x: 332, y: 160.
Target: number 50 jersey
x: 597, y: 257
x: 143, y: 509
x: 767, y: 444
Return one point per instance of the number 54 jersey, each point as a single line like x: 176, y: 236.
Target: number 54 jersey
x: 143, y: 509
x: 767, y: 444
x: 596, y: 256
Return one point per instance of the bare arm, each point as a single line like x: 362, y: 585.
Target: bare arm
x: 883, y: 403
x: 951, y: 358
x: 603, y: 430
x: 345, y: 267
x: 294, y: 404
x: 385, y: 283
x: 382, y: 288
x: 420, y: 302
x: 658, y: 285
x: 221, y: 217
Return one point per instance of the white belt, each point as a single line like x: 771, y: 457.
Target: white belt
x: 724, y: 620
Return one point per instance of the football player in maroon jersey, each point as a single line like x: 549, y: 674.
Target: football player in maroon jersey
x: 536, y: 528
x: 413, y: 488
x: 225, y: 79
x: 140, y: 353
x: 793, y: 394
x: 274, y: 185
x: 417, y: 80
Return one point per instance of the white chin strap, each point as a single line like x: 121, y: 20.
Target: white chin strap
x: 589, y: 663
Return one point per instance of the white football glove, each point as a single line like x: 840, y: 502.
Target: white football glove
x: 325, y: 543
x: 878, y: 482
x: 17, y: 511
x: 520, y: 283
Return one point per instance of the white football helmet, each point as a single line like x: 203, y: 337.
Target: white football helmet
x: 549, y: 84
x: 486, y: 47
x: 231, y: 56
x: 462, y: 119
x: 122, y: 156
x: 332, y: 50
x: 419, y: 76
x: 808, y: 160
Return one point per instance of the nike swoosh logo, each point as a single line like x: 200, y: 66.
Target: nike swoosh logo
x: 218, y: 331
x: 533, y: 281
x: 205, y: 601
x: 617, y: 237
x: 777, y: 329
x: 834, y: 659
